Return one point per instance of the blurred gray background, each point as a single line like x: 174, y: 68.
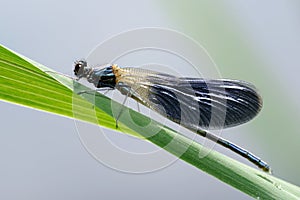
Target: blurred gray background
x: 41, y: 154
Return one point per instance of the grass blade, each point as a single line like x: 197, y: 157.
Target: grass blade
x: 25, y: 82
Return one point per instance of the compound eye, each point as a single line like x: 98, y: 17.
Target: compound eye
x: 79, y: 66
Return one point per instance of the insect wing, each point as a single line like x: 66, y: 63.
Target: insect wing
x: 193, y: 102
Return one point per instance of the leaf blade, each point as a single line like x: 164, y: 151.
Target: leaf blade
x: 24, y: 82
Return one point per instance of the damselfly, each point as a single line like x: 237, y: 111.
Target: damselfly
x: 174, y: 97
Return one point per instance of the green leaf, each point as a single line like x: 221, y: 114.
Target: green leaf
x: 27, y: 83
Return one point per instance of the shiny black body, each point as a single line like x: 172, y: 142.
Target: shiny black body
x: 100, y: 77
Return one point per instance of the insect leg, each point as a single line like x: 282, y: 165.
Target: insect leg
x: 53, y: 72
x: 127, y: 91
x: 97, y: 89
x: 122, y: 108
x: 138, y: 106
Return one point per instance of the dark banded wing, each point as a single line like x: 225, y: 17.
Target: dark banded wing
x: 195, y: 103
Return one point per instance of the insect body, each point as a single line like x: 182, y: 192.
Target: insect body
x: 194, y: 103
